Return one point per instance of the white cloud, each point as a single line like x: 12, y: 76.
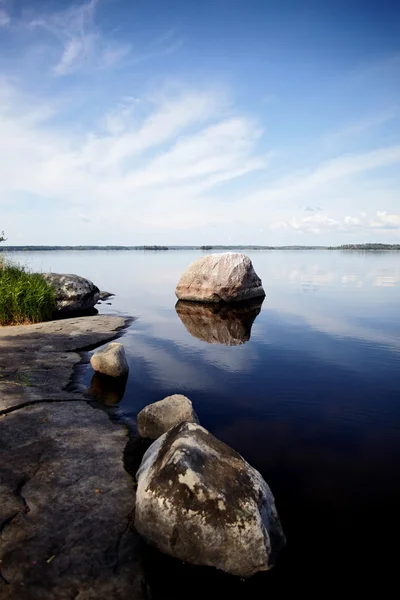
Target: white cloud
x: 159, y: 165
x: 153, y: 170
x: 314, y: 224
x: 383, y: 220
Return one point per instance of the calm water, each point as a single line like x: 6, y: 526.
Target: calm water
x: 311, y: 399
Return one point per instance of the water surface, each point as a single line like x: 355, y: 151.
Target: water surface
x: 307, y: 392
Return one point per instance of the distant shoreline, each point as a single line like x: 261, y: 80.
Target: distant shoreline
x: 360, y: 247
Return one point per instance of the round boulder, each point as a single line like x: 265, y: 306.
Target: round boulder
x: 155, y: 419
x: 201, y: 502
x: 226, y: 277
x: 110, y: 360
x: 73, y: 294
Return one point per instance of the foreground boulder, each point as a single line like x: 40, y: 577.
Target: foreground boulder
x: 73, y: 294
x: 201, y: 502
x: 155, y: 419
x: 227, y: 277
x: 110, y: 360
x: 219, y: 323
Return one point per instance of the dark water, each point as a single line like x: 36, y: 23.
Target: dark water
x: 309, y: 395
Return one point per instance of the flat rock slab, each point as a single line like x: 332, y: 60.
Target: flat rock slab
x: 36, y: 361
x: 66, y: 501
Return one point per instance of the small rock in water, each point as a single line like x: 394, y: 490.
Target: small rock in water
x: 110, y: 360
x: 226, y: 277
x: 155, y: 419
x: 201, y: 502
x: 104, y: 295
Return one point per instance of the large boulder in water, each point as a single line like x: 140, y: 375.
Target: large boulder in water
x: 228, y: 324
x: 73, y: 294
x: 227, y: 277
x: 155, y: 419
x: 201, y: 502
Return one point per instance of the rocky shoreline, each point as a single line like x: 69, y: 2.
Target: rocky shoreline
x: 66, y: 500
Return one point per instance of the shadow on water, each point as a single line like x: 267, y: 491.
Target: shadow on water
x: 225, y: 324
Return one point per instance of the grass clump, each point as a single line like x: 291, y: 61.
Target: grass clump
x: 25, y: 297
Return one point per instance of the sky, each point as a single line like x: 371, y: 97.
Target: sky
x: 132, y: 122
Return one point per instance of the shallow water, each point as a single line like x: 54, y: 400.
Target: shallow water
x: 308, y: 393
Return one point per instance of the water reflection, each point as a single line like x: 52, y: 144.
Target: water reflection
x: 108, y: 390
x: 216, y: 324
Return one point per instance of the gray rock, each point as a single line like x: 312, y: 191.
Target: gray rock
x: 201, y: 502
x: 110, y: 360
x: 73, y: 294
x: 66, y: 501
x: 104, y: 295
x: 227, y: 277
x: 155, y: 419
x: 228, y: 324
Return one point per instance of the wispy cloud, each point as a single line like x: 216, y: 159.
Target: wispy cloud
x: 157, y: 169
x: 5, y: 18
x: 81, y: 40
x: 84, y: 44
x: 360, y: 127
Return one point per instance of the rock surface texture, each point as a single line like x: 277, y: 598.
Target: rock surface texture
x: 73, y: 294
x: 66, y: 501
x: 201, y: 502
x: 110, y: 360
x: 227, y: 277
x: 219, y: 323
x: 155, y: 419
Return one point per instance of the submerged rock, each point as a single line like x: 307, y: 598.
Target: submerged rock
x: 73, y: 294
x: 226, y: 277
x: 201, y: 502
x: 155, y: 419
x: 110, y: 360
x: 219, y: 323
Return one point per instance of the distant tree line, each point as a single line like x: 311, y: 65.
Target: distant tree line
x: 369, y: 247
x: 366, y: 247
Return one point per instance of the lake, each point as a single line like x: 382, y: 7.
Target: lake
x: 308, y: 393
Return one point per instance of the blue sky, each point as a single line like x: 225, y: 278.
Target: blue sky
x: 200, y: 122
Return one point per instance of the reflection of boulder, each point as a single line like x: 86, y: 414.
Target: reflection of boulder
x: 108, y: 390
x: 219, y: 323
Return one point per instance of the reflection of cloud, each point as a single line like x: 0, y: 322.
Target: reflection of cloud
x: 317, y: 275
x: 341, y: 327
x: 386, y: 281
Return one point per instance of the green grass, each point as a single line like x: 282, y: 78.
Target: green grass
x: 24, y: 297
